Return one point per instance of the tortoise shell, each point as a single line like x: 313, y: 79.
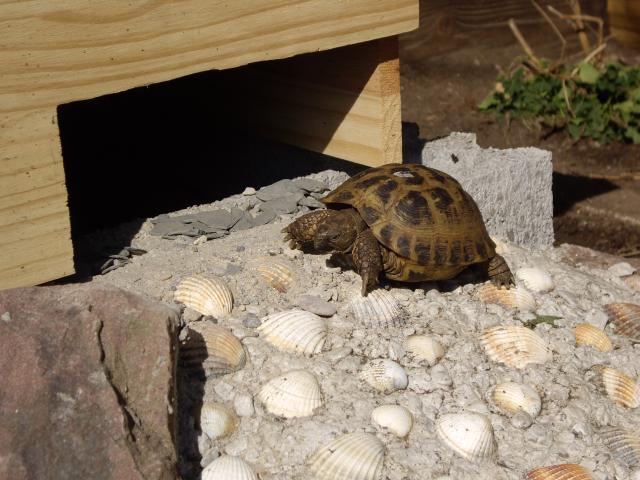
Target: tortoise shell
x: 419, y: 213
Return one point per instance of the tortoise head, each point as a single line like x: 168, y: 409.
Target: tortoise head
x: 335, y: 233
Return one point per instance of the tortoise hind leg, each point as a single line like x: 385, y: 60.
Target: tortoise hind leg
x: 499, y: 273
x: 301, y: 232
x: 367, y: 259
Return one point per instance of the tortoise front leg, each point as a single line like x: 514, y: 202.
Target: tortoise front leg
x: 301, y: 232
x: 367, y: 259
x: 499, y: 273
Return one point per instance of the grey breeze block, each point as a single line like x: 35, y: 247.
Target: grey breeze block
x: 512, y: 187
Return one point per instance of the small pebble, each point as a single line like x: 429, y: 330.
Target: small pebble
x: 249, y: 191
x: 6, y: 317
x: 200, y: 240
x: 189, y: 315
x: 621, y: 269
x: 338, y: 354
x: 251, y: 320
x: 521, y: 420
x: 316, y: 305
x: 243, y: 405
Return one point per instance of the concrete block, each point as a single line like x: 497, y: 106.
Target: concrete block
x: 512, y: 187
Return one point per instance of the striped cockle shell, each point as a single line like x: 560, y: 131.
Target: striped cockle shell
x: 623, y: 444
x: 394, y: 418
x: 619, y: 387
x: 354, y: 456
x: 535, y: 279
x: 468, y: 434
x: 625, y: 318
x: 385, y: 375
x: 511, y: 397
x: 211, y: 348
x: 207, y: 296
x: 515, y: 346
x: 379, y: 309
x: 277, y: 273
x: 587, y: 334
x: 216, y: 420
x: 424, y: 348
x: 294, y: 331
x: 228, y: 467
x: 293, y: 394
x: 517, y: 298
x: 567, y: 471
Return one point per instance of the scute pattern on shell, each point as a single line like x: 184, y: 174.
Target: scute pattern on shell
x: 354, y: 456
x: 567, y: 471
x: 625, y: 318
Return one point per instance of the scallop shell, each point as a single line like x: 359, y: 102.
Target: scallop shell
x: 535, y: 279
x: 395, y: 418
x: 207, y: 296
x: 294, y: 331
x: 567, y: 471
x: 623, y: 444
x: 354, y: 456
x: 512, y: 397
x: 276, y: 273
x: 468, y: 434
x: 587, y: 334
x: 502, y: 246
x: 633, y: 281
x: 379, y: 309
x: 619, y: 387
x: 625, y: 317
x: 516, y: 297
x: 227, y: 467
x: 424, y: 347
x: 385, y: 375
x: 515, y: 346
x: 292, y: 394
x: 211, y: 348
x: 217, y: 421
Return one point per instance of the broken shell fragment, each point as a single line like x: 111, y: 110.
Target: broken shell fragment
x: 217, y: 421
x: 395, y: 418
x: 354, y: 456
x: 468, y: 434
x: 294, y: 331
x: 633, y: 281
x: 511, y: 397
x: 587, y: 334
x: 625, y: 318
x: 211, y: 348
x: 379, y: 309
x: 535, y: 279
x: 567, y: 471
x: 515, y: 298
x: 207, y: 296
x: 623, y: 444
x: 618, y: 386
x: 424, y: 348
x: 292, y: 394
x: 228, y: 467
x: 514, y: 346
x: 385, y: 375
x: 276, y: 273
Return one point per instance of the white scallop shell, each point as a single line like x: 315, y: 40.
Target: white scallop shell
x: 587, y: 334
x: 354, y: 456
x: 623, y: 444
x: 515, y: 346
x: 395, y: 418
x: 424, y: 348
x: 228, y: 467
x: 211, y: 348
x: 535, y: 279
x: 216, y: 420
x: 625, y: 318
x: 385, y: 375
x: 207, y: 296
x: 379, y: 309
x: 294, y: 331
x: 514, y: 298
x: 566, y: 471
x: 292, y: 394
x: 619, y: 387
x: 276, y: 273
x: 468, y: 434
x: 511, y: 397
x: 502, y: 246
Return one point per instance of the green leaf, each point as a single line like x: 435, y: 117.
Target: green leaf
x: 548, y: 319
x: 588, y: 73
x: 632, y: 134
x: 489, y: 102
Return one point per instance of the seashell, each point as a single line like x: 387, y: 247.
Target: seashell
x: 502, y: 246
x: 567, y: 471
x: 385, y: 375
x: 468, y: 434
x: 515, y: 346
x: 208, y: 296
x: 535, y: 279
x: 424, y: 347
x: 293, y: 394
x: 623, y: 444
x: 625, y: 317
x: 395, y: 418
x: 276, y: 273
x: 512, y: 397
x: 516, y: 297
x: 587, y: 334
x: 216, y: 420
x: 294, y: 331
x: 632, y: 281
x: 354, y: 456
x: 228, y: 467
x: 211, y: 348
x: 379, y: 309
x: 620, y: 388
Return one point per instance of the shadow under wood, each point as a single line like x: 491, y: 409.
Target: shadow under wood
x: 571, y: 189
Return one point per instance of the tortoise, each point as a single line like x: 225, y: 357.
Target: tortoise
x: 408, y: 221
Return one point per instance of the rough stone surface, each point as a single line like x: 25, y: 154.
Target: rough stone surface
x: 316, y: 305
x: 512, y: 187
x: 87, y: 387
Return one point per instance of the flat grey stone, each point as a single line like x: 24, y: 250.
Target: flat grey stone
x: 286, y: 204
x: 245, y: 223
x: 216, y: 219
x: 279, y: 189
x: 316, y: 305
x: 265, y: 217
x: 166, y: 225
x: 310, y: 185
x: 311, y: 202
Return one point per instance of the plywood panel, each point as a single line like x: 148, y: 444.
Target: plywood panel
x: 624, y: 18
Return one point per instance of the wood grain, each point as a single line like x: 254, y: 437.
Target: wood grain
x: 624, y: 19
